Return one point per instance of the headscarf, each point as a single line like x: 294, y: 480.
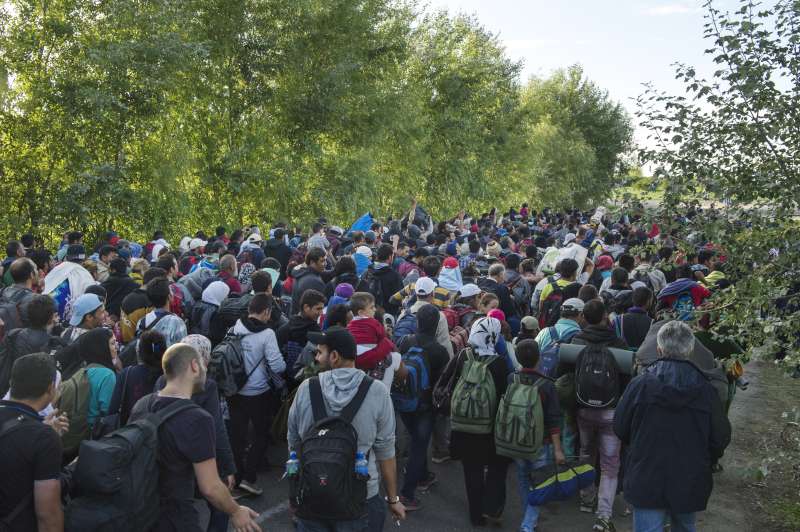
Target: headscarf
x: 200, y: 343
x: 215, y: 293
x: 450, y: 278
x: 245, y: 271
x: 93, y: 347
x: 484, y: 335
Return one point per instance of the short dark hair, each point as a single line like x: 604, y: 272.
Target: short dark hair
x: 12, y: 247
x: 260, y: 281
x: 272, y: 262
x: 259, y: 304
x: 527, y: 352
x: 166, y: 262
x: 151, y: 347
x: 594, y: 311
x: 360, y: 301
x: 153, y: 273
x: 665, y: 253
x: 314, y: 254
x: 474, y: 246
x: 118, y: 265
x: 568, y: 267
x: 619, y: 276
x: 278, y: 234
x: 626, y: 261
x: 177, y: 358
x: 40, y: 257
x: 158, y: 292
x: 337, y: 315
x: 22, y: 269
x: 27, y: 240
x: 73, y: 237
x: 642, y: 296
x: 384, y: 253
x: 316, y: 228
x: 40, y: 310
x: 588, y: 292
x: 311, y: 298
x: 528, y: 266
x: 106, y: 249
x: 705, y: 255
x: 220, y: 231
x: 98, y: 290
x: 32, y: 375
x: 431, y: 266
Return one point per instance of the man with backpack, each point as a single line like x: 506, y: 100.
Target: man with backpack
x: 633, y: 325
x: 598, y: 386
x: 88, y: 312
x: 186, y: 452
x: 684, y: 295
x: 14, y: 298
x: 294, y: 335
x: 383, y: 281
x: 118, y: 285
x: 549, y: 339
x: 647, y: 273
x: 362, y: 428
x: 30, y: 464
x: 673, y: 423
x: 425, y: 292
x: 421, y: 346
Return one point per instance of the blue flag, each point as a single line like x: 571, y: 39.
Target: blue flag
x: 363, y: 224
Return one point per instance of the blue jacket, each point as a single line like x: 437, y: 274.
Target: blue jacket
x: 672, y: 421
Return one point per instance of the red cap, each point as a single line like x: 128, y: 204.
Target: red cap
x: 604, y: 262
x: 450, y: 262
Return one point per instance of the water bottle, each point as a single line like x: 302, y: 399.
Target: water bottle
x: 292, y: 465
x: 362, y: 466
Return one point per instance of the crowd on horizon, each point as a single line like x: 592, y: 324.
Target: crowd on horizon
x: 236, y: 341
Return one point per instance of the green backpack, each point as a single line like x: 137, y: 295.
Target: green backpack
x: 73, y: 400
x: 474, y: 401
x: 519, y: 427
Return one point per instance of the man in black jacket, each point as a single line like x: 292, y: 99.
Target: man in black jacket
x: 118, y: 285
x: 384, y: 281
x: 276, y: 248
x: 309, y: 277
x: 673, y: 422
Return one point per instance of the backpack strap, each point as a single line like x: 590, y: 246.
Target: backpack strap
x: 175, y: 408
x: 350, y: 411
x: 144, y: 327
x: 317, y: 402
x: 554, y: 336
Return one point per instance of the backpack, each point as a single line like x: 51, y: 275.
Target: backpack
x: 128, y: 322
x: 597, y: 382
x: 644, y: 277
x: 226, y: 366
x: 129, y: 355
x: 443, y: 391
x: 459, y: 338
x: 117, y: 477
x: 551, y: 306
x: 406, y: 325
x: 684, y: 306
x: 196, y: 280
x: 232, y: 309
x: 519, y: 426
x: 8, y: 355
x: 548, y: 358
x: 326, y: 487
x: 375, y: 287
x: 74, y: 395
x: 12, y: 425
x: 520, y: 294
x: 473, y: 404
x: 10, y: 312
x: 415, y: 392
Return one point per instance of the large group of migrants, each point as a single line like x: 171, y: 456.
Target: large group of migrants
x: 143, y: 380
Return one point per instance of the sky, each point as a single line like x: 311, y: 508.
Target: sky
x: 621, y: 44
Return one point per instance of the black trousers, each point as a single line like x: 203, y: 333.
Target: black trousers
x: 486, y: 487
x: 244, y: 410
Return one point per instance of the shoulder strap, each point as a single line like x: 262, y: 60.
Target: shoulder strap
x: 173, y: 409
x: 158, y: 318
x: 317, y: 402
x: 350, y: 411
x: 554, y: 336
x: 516, y: 378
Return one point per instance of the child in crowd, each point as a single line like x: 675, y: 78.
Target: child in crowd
x: 376, y: 354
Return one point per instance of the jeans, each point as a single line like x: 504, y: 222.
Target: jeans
x: 485, y: 482
x: 244, y: 410
x: 441, y: 435
x: 646, y: 520
x: 420, y: 427
x: 371, y: 522
x: 524, y: 470
x: 596, y: 427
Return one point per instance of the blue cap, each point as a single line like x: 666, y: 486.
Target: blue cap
x: 86, y: 304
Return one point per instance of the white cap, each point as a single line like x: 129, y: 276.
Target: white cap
x: 197, y: 243
x: 254, y: 237
x: 469, y: 290
x: 573, y: 303
x: 424, y: 286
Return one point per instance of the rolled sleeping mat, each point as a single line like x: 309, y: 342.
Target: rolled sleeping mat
x: 568, y: 354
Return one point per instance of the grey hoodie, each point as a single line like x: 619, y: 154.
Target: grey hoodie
x: 374, y: 421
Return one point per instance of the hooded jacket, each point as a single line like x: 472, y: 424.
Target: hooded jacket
x: 390, y: 283
x: 296, y: 330
x: 305, y: 278
x: 279, y: 251
x: 673, y: 424
x: 599, y: 334
x: 374, y: 422
x: 260, y: 347
x: 118, y: 286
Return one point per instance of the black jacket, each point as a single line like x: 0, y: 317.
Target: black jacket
x: 599, y: 334
x: 296, y: 330
x: 278, y: 250
x: 20, y: 295
x: 117, y: 287
x: 390, y: 283
x: 634, y: 326
x: 352, y: 279
x: 503, y: 294
x: 674, y: 426
x: 305, y: 279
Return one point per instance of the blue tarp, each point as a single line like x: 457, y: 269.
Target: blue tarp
x: 363, y: 224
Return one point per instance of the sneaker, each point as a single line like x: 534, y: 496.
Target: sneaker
x: 440, y: 459
x: 587, y: 506
x: 252, y: 489
x: 412, y: 505
x: 494, y: 520
x: 604, y: 525
x: 425, y: 485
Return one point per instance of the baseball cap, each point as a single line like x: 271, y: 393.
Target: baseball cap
x: 86, y: 304
x: 424, y: 286
x: 469, y: 290
x: 529, y: 323
x: 254, y: 237
x: 450, y: 263
x: 574, y: 304
x: 337, y: 339
x: 604, y: 262
x: 197, y: 243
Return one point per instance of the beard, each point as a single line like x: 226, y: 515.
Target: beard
x: 199, y: 384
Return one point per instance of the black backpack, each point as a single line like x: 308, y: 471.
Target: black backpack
x: 551, y: 306
x: 116, y: 477
x: 10, y: 311
x: 597, y: 377
x: 12, y: 425
x: 327, y: 487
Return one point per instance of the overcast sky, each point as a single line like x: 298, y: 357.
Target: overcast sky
x: 620, y: 43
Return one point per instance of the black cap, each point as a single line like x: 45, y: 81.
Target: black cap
x: 337, y: 339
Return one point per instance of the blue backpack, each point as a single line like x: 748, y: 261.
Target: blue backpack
x: 405, y: 325
x: 548, y: 358
x: 407, y: 396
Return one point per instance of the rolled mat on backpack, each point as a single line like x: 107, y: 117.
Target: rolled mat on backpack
x: 559, y: 483
x: 568, y: 353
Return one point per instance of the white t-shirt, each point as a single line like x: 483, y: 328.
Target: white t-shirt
x: 388, y: 375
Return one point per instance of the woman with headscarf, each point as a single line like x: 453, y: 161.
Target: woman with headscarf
x: 484, y: 469
x: 204, y: 313
x: 137, y: 381
x: 209, y: 400
x: 98, y: 349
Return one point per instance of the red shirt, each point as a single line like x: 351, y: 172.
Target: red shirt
x: 231, y: 281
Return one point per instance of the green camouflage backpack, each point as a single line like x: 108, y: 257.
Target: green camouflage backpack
x: 474, y: 401
x: 519, y: 427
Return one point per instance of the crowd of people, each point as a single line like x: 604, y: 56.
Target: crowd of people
x: 556, y: 342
